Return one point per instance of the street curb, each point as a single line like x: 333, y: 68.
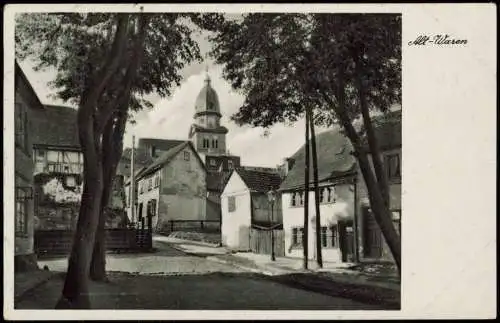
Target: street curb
x: 208, y: 244
x: 19, y: 297
x: 254, y: 270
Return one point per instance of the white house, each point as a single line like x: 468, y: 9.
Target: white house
x: 347, y: 225
x: 245, y: 204
x: 336, y: 169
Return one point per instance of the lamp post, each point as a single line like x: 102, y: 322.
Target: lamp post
x: 271, y: 196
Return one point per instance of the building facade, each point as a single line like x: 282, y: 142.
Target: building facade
x: 245, y: 204
x: 347, y: 225
x: 172, y: 188
x: 25, y: 105
x: 58, y: 172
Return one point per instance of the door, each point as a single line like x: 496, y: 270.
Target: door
x: 346, y: 240
x: 372, y: 236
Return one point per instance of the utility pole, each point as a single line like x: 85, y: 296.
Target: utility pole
x: 132, y: 182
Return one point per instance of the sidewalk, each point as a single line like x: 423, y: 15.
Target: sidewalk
x: 27, y: 281
x: 339, y: 272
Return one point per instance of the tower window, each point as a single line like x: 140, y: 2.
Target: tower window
x: 206, y: 143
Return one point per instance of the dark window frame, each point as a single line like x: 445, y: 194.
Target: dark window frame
x: 231, y: 204
x: 393, y: 166
x: 21, y: 213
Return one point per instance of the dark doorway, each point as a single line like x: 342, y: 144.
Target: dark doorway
x: 346, y: 240
x: 372, y: 242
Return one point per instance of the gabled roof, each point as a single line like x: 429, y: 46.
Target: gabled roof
x: 259, y: 181
x: 334, y: 152
x: 166, y: 158
x: 56, y: 126
x: 216, y: 181
x: 20, y: 77
x: 334, y: 159
x: 141, y: 156
x: 160, y: 144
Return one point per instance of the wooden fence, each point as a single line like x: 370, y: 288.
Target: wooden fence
x: 58, y: 242
x: 202, y: 226
x: 260, y: 241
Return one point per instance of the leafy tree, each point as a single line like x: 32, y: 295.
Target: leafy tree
x: 106, y: 64
x: 344, y: 66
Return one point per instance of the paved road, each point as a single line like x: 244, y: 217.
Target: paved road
x: 217, y: 291
x: 191, y: 282
x: 166, y: 260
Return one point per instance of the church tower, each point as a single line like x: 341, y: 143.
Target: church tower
x: 207, y: 134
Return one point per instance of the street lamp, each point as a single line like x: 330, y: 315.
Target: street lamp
x: 271, y: 196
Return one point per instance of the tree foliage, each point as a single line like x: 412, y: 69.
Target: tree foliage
x: 106, y: 63
x: 341, y: 66
x: 76, y: 43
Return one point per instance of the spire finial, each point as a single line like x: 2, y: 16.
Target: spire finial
x: 207, y: 76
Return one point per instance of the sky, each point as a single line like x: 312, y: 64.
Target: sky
x: 171, y: 117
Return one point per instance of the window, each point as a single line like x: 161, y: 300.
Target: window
x: 297, y: 236
x: 70, y: 181
x: 393, y: 167
x: 21, y: 125
x: 396, y: 219
x: 206, y: 143
x: 213, y: 162
x: 329, y: 237
x: 141, y: 187
x: 231, y: 203
x: 157, y: 180
x: 186, y: 155
x: 297, y: 199
x: 40, y: 155
x: 152, y: 207
x: 322, y: 195
x: 216, y: 143
x: 230, y: 164
x: 150, y: 184
x: 21, y: 212
x: 329, y: 195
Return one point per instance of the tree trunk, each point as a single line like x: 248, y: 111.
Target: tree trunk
x: 319, y: 256
x: 75, y: 294
x: 372, y: 140
x: 380, y: 210
x: 305, y: 235
x: 113, y: 148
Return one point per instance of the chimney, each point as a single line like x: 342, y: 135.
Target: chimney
x: 289, y: 162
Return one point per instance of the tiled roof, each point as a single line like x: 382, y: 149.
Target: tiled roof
x: 159, y: 144
x: 21, y: 79
x: 388, y: 130
x: 141, y: 157
x: 55, y: 126
x: 259, y: 181
x: 165, y: 158
x: 334, y: 152
x: 217, y: 180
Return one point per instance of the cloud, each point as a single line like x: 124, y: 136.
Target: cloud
x: 171, y: 118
